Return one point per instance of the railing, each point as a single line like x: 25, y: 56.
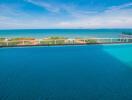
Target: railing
x: 64, y: 41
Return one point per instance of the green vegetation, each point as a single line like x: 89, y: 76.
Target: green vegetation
x: 2, y: 39
x: 27, y: 43
x: 91, y: 41
x: 18, y: 39
x: 14, y: 43
x: 52, y: 42
x: 56, y: 37
x: 47, y: 42
x: 59, y: 41
x: 3, y: 43
x: 105, y: 40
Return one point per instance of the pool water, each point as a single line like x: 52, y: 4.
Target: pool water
x: 96, y: 72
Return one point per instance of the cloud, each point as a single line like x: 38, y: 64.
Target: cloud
x: 50, y: 7
x: 98, y: 22
x: 70, y: 16
x: 102, y: 21
x: 14, y: 23
x: 111, y: 17
x: 70, y: 9
x: 119, y: 7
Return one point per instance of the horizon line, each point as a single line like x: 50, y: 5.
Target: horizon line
x: 61, y: 28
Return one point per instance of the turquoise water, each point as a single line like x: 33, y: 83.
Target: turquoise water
x: 96, y: 72
x: 70, y: 33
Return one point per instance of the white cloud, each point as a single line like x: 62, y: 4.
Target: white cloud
x: 70, y: 9
x: 119, y: 7
x: 11, y: 23
x: 50, y: 7
x: 112, y: 17
x: 98, y: 22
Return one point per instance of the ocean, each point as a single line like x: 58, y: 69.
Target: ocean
x: 94, y: 72
x: 69, y: 33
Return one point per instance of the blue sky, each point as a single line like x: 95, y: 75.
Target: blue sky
x: 65, y: 14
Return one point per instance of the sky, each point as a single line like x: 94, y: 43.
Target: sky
x: 54, y: 14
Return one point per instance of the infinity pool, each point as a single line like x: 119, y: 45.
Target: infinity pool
x: 96, y: 72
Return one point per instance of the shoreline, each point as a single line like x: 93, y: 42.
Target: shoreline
x: 60, y: 41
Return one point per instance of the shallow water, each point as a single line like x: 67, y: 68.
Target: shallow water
x: 96, y: 72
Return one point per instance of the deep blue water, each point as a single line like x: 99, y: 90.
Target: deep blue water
x: 70, y: 33
x: 96, y: 72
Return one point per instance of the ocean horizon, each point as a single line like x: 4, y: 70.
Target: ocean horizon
x: 70, y: 33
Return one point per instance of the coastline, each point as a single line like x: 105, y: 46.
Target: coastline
x: 62, y: 41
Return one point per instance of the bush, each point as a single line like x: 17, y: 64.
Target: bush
x: 47, y: 42
x: 56, y: 37
x: 60, y: 42
x: 13, y: 43
x: 91, y: 41
x: 3, y: 43
x: 2, y: 39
